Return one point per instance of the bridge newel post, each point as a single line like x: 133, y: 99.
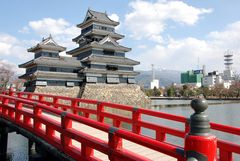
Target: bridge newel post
x: 114, y: 142
x: 3, y: 142
x: 65, y: 124
x: 200, y: 145
x: 136, y: 116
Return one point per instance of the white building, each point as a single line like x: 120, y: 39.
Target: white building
x: 155, y: 83
x: 228, y: 74
x: 227, y: 84
x: 211, y: 79
x: 228, y: 62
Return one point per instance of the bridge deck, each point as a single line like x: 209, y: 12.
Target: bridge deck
x: 133, y: 147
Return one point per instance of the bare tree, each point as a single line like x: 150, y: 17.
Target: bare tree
x: 218, y: 90
x: 235, y: 88
x: 6, y: 75
x: 18, y: 84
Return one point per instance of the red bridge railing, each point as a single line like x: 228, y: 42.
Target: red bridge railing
x: 28, y: 114
x: 133, y: 116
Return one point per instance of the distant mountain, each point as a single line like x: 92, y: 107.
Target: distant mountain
x: 165, y: 77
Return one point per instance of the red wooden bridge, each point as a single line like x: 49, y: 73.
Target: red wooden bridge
x: 80, y: 129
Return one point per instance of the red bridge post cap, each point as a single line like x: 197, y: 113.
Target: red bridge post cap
x: 199, y: 105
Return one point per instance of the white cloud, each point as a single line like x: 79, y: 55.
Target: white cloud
x: 24, y: 30
x: 115, y: 17
x: 229, y: 38
x: 183, y: 54
x: 15, y: 50
x: 148, y: 19
x: 11, y: 66
x: 11, y: 46
x: 142, y: 46
x: 49, y: 26
x: 62, y: 31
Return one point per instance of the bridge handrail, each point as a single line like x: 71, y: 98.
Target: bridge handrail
x: 19, y: 115
x: 101, y: 113
x: 137, y: 122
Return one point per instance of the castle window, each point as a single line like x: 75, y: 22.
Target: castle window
x: 104, y: 28
x: 105, y: 52
x: 53, y: 69
x: 112, y: 67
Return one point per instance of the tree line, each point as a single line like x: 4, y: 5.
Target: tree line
x: 217, y: 91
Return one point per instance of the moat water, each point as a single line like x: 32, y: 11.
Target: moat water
x: 224, y: 112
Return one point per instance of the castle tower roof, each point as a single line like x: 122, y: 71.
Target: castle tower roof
x: 47, y: 44
x: 94, y: 16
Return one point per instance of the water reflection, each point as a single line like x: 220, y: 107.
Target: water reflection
x: 223, y: 112
x: 17, y: 148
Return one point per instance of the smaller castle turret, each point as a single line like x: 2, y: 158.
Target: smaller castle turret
x: 48, y: 68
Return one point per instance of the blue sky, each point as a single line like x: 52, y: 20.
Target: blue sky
x: 170, y: 34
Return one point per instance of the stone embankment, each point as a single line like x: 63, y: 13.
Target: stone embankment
x: 117, y: 93
x: 59, y: 90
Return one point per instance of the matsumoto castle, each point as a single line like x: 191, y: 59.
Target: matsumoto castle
x: 96, y: 69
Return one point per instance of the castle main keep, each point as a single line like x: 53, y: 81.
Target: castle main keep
x: 96, y: 69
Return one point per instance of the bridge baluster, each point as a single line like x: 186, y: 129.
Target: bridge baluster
x: 19, y: 95
x: 37, y: 112
x: 187, y: 126
x: 225, y: 155
x: 55, y: 102
x: 11, y: 93
x: 18, y: 107
x: 41, y: 98
x: 86, y: 152
x: 85, y: 114
x: 29, y: 96
x: 50, y: 132
x: 5, y: 101
x: 100, y: 109
x: 160, y: 136
x: 74, y: 105
x: 116, y: 123
x: 199, y: 143
x: 27, y: 121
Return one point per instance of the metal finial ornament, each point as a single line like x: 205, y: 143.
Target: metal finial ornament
x: 199, y: 121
